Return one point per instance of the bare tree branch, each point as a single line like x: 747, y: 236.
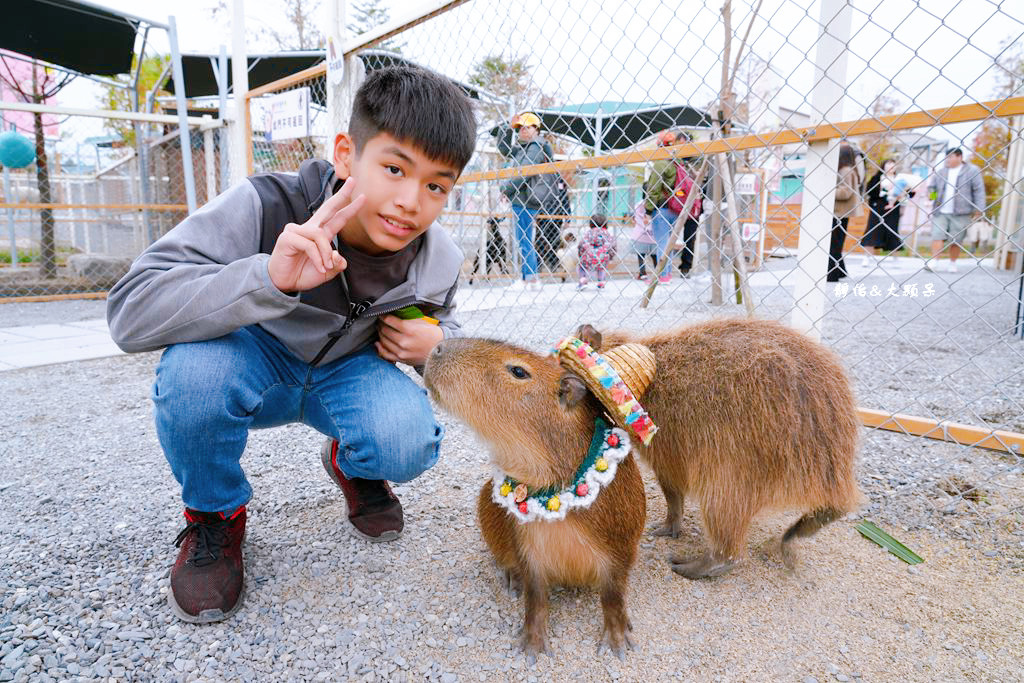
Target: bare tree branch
x: 743, y: 43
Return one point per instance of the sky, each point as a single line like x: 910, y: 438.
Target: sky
x: 928, y: 54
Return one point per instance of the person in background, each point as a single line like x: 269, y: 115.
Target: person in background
x: 847, y: 200
x: 683, y: 191
x: 884, y: 206
x: 644, y: 245
x: 658, y: 190
x: 958, y: 196
x: 596, y: 250
x: 551, y: 218
x: 525, y: 192
x: 495, y: 252
x: 569, y: 254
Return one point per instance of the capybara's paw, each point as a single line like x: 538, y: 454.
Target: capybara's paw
x: 532, y: 644
x: 615, y: 641
x: 788, y: 556
x: 670, y: 529
x: 512, y: 583
x: 703, y: 567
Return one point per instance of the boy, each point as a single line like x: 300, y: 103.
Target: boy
x: 275, y: 303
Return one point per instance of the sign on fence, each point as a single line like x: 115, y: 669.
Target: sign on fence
x: 335, y: 62
x: 289, y: 114
x: 746, y: 183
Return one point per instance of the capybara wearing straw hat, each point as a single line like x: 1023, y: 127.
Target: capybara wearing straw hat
x: 566, y: 504
x: 752, y: 416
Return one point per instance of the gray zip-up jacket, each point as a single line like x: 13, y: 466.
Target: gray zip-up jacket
x: 530, y: 191
x: 970, y: 190
x: 208, y: 277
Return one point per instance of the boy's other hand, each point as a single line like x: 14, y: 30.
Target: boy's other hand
x: 304, y: 256
x: 406, y: 341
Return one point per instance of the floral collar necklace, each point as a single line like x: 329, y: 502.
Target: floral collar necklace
x: 608, y: 447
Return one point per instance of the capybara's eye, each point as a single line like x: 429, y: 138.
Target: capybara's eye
x: 518, y: 372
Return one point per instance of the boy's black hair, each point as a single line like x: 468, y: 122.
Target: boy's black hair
x: 598, y: 220
x: 418, y: 107
x: 955, y: 150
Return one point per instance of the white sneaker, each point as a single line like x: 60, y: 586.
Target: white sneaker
x: 517, y: 285
x: 533, y: 284
x: 952, y: 267
x: 868, y: 262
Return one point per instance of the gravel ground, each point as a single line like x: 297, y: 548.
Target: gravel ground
x: 90, y: 510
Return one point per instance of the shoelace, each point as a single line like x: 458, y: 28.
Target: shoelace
x: 210, y: 538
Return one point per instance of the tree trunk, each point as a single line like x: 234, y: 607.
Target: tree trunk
x: 47, y: 245
x: 715, y: 248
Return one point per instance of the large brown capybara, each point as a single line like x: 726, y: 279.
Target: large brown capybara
x: 539, y: 421
x: 752, y: 416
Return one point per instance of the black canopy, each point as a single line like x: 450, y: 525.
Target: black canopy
x: 200, y: 79
x: 75, y: 35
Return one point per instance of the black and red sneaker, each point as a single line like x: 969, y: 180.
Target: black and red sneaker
x: 208, y: 576
x: 374, y: 511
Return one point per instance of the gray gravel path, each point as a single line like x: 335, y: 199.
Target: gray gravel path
x: 89, y: 511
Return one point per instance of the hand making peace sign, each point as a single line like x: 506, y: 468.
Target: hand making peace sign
x: 304, y: 256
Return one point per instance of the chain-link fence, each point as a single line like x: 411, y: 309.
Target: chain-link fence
x: 76, y: 216
x: 780, y: 160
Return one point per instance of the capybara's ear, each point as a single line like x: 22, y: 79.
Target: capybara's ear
x: 591, y: 336
x: 571, y: 390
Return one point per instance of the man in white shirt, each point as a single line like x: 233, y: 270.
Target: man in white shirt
x: 958, y: 196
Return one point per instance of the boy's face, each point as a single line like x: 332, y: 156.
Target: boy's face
x: 405, y: 191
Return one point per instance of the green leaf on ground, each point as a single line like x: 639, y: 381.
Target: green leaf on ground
x: 870, y: 531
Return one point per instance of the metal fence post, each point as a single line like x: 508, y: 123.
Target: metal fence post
x: 9, y: 199
x: 340, y: 91
x: 240, y: 140
x: 187, y: 169
x: 820, y: 168
x: 222, y: 91
x: 210, y: 162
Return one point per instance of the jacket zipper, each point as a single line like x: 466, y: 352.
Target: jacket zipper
x: 355, y: 310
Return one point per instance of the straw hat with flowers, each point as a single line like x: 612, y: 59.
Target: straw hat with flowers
x: 618, y: 378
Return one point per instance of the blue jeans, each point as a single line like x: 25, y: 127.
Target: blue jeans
x: 524, y: 236
x: 661, y: 226
x: 209, y: 394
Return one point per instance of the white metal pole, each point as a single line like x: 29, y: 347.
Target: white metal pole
x: 101, y: 114
x: 222, y: 90
x: 71, y: 217
x: 344, y: 73
x: 210, y: 162
x: 104, y: 230
x: 820, y: 169
x: 184, y: 133
x: 86, y: 225
x: 1011, y: 193
x: 240, y: 86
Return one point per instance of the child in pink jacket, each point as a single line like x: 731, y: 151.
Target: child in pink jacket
x: 597, y: 248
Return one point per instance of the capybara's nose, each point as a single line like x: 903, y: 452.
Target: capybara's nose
x: 438, y: 350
